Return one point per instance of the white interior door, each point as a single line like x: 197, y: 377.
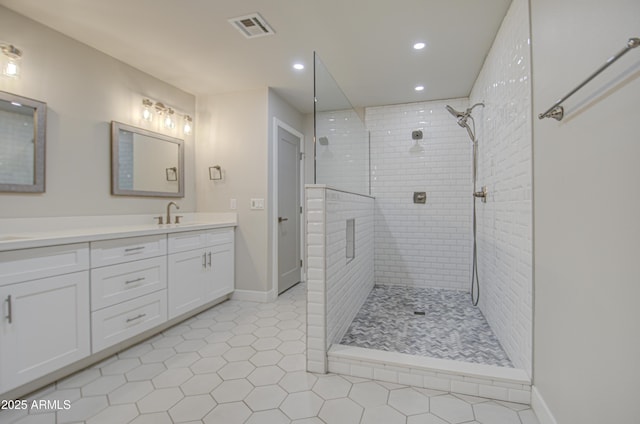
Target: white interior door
x: 289, y: 266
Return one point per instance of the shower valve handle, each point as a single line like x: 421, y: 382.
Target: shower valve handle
x: 481, y: 194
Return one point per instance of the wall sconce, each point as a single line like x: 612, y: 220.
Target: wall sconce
x: 10, y: 63
x: 215, y: 172
x: 172, y: 174
x: 188, y: 125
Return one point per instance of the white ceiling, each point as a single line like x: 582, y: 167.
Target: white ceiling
x: 366, y: 44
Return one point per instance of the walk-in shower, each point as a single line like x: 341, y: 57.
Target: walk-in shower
x: 400, y: 309
x: 463, y: 120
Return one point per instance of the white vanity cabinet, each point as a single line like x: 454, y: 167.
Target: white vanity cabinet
x: 45, y: 319
x: 200, y: 268
x: 67, y: 300
x: 128, y: 288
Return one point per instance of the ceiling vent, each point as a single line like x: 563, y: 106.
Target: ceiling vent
x: 252, y: 26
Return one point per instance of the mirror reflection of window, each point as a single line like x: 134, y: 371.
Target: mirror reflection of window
x: 125, y: 157
x: 22, y: 138
x: 16, y: 148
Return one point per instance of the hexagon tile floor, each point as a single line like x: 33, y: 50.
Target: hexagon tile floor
x: 244, y: 362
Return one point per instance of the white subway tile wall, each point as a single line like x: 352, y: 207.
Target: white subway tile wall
x: 424, y: 245
x: 504, y: 166
x: 337, y: 286
x: 348, y: 281
x: 315, y: 260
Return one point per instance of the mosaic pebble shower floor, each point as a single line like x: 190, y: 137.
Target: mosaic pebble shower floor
x: 439, y: 323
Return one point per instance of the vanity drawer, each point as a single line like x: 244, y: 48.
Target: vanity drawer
x: 118, y: 283
x: 191, y: 240
x: 40, y: 262
x: 110, y: 252
x: 119, y: 322
x: 220, y: 236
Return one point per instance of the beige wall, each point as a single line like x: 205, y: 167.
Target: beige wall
x: 235, y: 132
x: 232, y: 133
x: 586, y: 209
x: 84, y: 90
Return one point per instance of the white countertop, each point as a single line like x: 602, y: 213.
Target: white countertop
x: 23, y: 233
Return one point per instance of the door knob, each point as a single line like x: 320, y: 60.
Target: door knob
x: 281, y: 219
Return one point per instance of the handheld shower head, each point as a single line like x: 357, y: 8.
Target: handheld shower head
x: 462, y: 118
x: 455, y: 113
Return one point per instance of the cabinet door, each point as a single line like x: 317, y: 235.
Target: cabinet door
x: 45, y: 326
x: 220, y: 281
x: 188, y: 272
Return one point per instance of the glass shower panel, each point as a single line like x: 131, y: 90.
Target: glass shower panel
x: 341, y: 139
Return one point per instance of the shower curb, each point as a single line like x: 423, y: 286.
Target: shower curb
x: 487, y: 381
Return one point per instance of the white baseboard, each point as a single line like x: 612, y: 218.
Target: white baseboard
x: 540, y: 407
x: 272, y: 294
x: 252, y: 296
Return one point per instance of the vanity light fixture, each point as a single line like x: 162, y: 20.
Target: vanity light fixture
x: 188, y: 125
x: 167, y: 116
x: 10, y: 63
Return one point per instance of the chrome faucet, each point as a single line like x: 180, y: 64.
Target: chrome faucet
x: 169, y: 211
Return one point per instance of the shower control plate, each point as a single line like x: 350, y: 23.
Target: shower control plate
x: 419, y: 197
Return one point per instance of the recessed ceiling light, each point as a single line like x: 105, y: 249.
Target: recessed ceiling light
x: 298, y: 66
x: 419, y: 87
x: 419, y: 46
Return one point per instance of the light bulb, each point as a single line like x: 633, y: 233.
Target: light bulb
x: 188, y: 122
x: 147, y: 113
x: 11, y: 68
x: 168, y: 119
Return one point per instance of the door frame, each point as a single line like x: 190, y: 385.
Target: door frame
x: 277, y: 124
